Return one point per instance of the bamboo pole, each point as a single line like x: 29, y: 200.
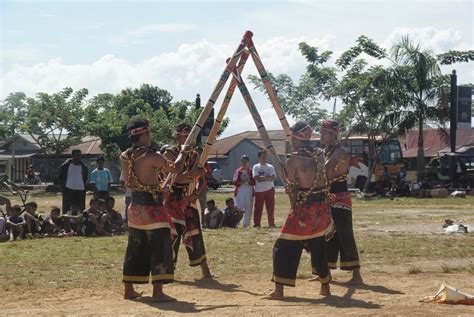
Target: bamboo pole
x: 270, y: 91
x: 214, y: 95
x: 260, y: 126
x: 220, y: 116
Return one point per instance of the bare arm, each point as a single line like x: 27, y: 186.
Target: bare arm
x: 292, y: 191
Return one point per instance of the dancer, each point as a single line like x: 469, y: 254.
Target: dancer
x: 337, y: 168
x: 309, y: 217
x: 149, y: 248
x: 184, y: 215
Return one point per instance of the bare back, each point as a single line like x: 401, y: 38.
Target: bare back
x: 146, y: 168
x: 337, y: 163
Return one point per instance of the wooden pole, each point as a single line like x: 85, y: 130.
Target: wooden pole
x: 220, y: 116
x: 260, y: 126
x: 214, y: 95
x: 270, y: 91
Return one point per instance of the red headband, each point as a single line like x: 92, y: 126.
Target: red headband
x: 331, y: 126
x: 304, y: 133
x: 139, y: 130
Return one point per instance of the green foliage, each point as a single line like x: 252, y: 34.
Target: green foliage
x: 452, y: 57
x: 364, y: 45
x: 54, y: 121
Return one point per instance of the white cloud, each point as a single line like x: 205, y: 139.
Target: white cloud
x: 440, y: 40
x: 153, y: 29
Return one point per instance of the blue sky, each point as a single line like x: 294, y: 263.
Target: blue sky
x: 181, y: 46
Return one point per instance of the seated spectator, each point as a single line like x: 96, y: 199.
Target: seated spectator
x: 232, y: 214
x: 73, y: 220
x: 53, y: 224
x: 213, y: 215
x: 115, y: 223
x: 3, y: 227
x: 95, y: 219
x: 16, y: 223
x: 33, y: 221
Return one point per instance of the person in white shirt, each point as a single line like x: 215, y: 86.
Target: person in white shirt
x: 72, y: 177
x: 244, y: 182
x: 264, y: 175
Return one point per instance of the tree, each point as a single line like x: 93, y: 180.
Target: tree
x: 54, y: 121
x: 419, y: 71
x: 108, y: 115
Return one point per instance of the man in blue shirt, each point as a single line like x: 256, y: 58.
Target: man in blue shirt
x: 101, y: 178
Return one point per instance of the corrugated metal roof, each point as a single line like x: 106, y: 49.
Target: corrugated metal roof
x: 434, y: 143
x: 278, y: 138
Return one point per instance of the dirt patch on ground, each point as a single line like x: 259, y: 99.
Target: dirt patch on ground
x: 383, y: 294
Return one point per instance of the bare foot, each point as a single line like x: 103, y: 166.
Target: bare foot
x: 162, y: 298
x: 313, y: 279
x: 273, y: 296
x: 132, y: 295
x: 325, y: 290
x: 356, y: 278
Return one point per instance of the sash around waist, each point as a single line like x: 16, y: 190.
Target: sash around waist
x: 147, y: 199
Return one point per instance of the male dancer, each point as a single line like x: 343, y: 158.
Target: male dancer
x: 185, y: 216
x: 149, y: 248
x: 309, y: 218
x: 337, y: 167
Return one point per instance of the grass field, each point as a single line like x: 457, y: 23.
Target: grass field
x: 404, y: 252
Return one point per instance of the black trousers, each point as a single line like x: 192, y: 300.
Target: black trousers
x: 149, y: 252
x: 287, y: 255
x: 343, y: 242
x: 197, y: 254
x: 71, y: 196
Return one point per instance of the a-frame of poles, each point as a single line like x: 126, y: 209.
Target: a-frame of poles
x: 234, y: 67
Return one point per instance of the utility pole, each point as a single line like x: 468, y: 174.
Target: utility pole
x: 453, y: 124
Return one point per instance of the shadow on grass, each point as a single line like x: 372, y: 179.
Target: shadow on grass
x: 180, y: 306
x: 372, y: 288
x: 334, y: 301
x: 215, y: 284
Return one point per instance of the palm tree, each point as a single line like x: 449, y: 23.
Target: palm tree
x: 420, y: 73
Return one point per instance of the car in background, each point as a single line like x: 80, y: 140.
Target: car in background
x: 215, y: 177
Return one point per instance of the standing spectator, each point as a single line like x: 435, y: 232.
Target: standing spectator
x: 244, y: 182
x: 264, y: 175
x: 101, y: 178
x: 232, y: 214
x: 213, y: 215
x: 73, y: 179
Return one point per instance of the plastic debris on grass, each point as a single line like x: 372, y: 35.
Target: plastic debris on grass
x: 449, y: 295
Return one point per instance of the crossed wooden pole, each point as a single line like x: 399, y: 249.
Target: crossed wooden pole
x: 234, y: 67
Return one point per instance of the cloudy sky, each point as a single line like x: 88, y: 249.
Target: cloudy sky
x: 182, y: 46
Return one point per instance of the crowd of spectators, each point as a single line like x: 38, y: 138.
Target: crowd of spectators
x: 99, y: 219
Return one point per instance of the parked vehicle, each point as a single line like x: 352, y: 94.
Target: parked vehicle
x: 215, y: 178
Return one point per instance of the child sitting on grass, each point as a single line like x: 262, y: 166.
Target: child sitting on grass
x: 16, y: 223
x: 232, y: 214
x: 53, y: 224
x: 33, y: 221
x: 115, y: 223
x: 73, y: 220
x: 95, y: 219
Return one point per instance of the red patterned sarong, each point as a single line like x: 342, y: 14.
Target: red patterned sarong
x: 146, y: 217
x: 341, y: 200
x: 307, y: 221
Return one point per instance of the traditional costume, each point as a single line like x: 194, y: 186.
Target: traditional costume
x: 185, y: 217
x: 305, y: 227
x: 343, y: 241
x: 150, y: 229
